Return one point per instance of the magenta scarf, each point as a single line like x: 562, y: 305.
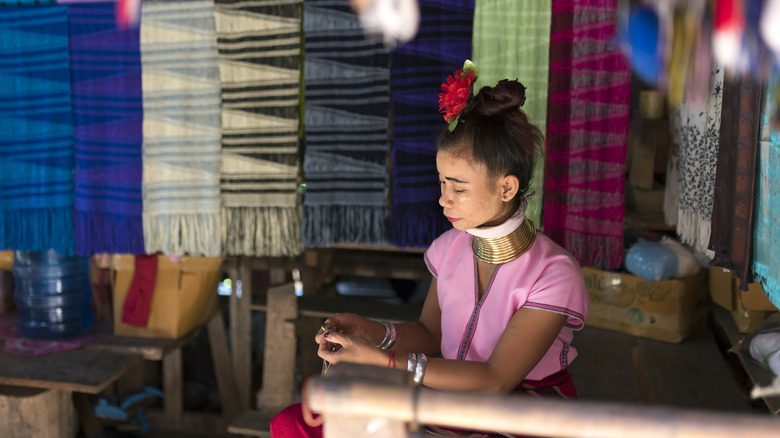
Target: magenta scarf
x: 587, y: 128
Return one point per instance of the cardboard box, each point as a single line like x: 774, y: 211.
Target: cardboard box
x: 747, y: 320
x: 754, y: 298
x: 666, y: 310
x: 185, y: 295
x: 6, y: 260
x: 648, y: 146
x: 721, y: 287
x: 724, y: 290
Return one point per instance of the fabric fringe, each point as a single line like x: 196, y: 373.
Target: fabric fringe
x: 694, y: 230
x: 105, y: 232
x: 262, y: 231
x: 414, y: 225
x: 182, y: 233
x: 38, y: 230
x: 591, y: 250
x: 327, y: 224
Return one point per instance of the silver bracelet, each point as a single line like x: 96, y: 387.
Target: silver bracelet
x: 419, y: 369
x: 390, y: 335
x: 411, y: 364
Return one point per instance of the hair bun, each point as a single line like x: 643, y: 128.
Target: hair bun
x: 504, y: 97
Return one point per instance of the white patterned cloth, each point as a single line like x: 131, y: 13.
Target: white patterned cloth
x: 699, y: 130
x: 181, y: 146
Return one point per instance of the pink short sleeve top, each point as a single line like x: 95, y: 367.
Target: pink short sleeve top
x: 546, y: 277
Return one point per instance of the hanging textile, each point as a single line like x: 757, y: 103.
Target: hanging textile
x: 672, y: 186
x: 587, y: 127
x: 107, y: 131
x: 36, y: 126
x: 419, y: 67
x: 181, y: 146
x: 512, y: 41
x: 699, y: 122
x: 732, y: 208
x: 346, y: 125
x: 260, y: 58
x: 766, y: 235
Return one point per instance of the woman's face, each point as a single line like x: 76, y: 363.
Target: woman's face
x: 469, y: 199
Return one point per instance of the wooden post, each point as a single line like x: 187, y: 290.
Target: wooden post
x: 280, y: 348
x: 226, y: 382
x: 172, y: 388
x: 241, y: 329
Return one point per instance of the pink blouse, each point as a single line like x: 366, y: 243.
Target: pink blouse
x: 546, y: 278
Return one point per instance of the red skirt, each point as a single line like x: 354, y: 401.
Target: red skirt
x: 290, y: 422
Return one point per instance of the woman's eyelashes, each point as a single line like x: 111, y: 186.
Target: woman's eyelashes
x: 442, y: 184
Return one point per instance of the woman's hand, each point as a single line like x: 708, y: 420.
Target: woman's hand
x: 350, y: 349
x: 355, y: 326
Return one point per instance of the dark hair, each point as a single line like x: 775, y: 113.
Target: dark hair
x: 494, y: 131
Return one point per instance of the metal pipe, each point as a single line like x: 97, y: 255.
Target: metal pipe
x: 528, y: 416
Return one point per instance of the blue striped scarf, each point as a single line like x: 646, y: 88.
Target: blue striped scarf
x: 346, y: 124
x: 108, y: 130
x: 419, y: 67
x: 181, y: 146
x: 260, y: 51
x: 36, y: 131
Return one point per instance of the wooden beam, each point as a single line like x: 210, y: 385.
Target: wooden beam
x: 280, y: 349
x: 223, y: 370
x: 172, y: 388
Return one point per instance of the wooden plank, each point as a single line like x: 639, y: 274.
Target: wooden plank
x: 196, y: 423
x: 241, y: 335
x: 366, y: 307
x: 252, y: 423
x: 724, y: 325
x: 324, y: 307
x: 172, y: 388
x: 78, y: 370
x: 223, y: 369
x: 692, y: 374
x: 149, y: 348
x: 280, y: 349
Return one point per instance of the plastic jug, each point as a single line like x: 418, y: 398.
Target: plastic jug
x: 53, y: 295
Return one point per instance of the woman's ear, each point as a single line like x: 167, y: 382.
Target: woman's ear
x: 509, y: 186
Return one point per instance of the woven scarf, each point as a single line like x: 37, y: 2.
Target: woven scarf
x: 181, y: 146
x: 699, y: 123
x: 36, y: 131
x: 587, y: 126
x: 766, y: 235
x: 260, y: 51
x: 347, y: 80
x: 419, y: 67
x: 107, y: 131
x: 512, y: 41
x: 732, y: 209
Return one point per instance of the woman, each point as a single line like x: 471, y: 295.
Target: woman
x: 504, y: 300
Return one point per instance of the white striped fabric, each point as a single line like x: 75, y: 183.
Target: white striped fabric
x: 181, y: 146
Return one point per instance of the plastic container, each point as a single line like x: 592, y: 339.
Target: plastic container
x: 53, y: 295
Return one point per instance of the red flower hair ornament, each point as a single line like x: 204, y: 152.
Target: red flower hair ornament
x: 457, y: 90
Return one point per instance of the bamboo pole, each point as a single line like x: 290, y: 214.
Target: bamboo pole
x: 345, y: 395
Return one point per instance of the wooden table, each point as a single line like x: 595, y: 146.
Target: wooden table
x: 79, y: 370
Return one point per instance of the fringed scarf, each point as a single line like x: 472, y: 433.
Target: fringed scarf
x: 419, y: 67
x: 108, y: 131
x: 732, y: 209
x: 587, y: 127
x: 699, y: 123
x: 36, y: 131
x: 766, y: 235
x: 512, y: 41
x: 260, y: 57
x: 347, y: 80
x: 181, y: 147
